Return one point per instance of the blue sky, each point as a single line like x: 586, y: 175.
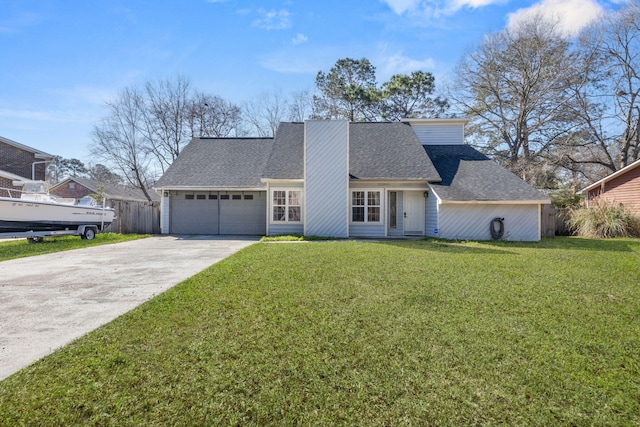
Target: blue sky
x: 61, y: 60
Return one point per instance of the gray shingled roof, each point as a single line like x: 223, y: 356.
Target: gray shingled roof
x: 376, y: 151
x: 468, y: 174
x: 287, y: 157
x: 388, y: 151
x: 219, y: 162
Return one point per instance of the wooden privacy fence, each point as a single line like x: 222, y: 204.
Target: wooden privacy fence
x: 548, y: 220
x: 554, y: 221
x: 135, y: 217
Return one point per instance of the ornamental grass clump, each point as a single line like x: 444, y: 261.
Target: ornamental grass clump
x: 604, y: 219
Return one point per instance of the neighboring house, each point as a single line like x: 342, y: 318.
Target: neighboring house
x: 19, y: 162
x: 134, y: 213
x: 621, y: 187
x: 347, y: 179
x: 77, y: 188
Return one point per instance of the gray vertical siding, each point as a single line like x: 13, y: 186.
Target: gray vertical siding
x: 326, y: 178
x: 431, y: 215
x: 471, y: 221
x: 440, y: 134
x: 164, y: 216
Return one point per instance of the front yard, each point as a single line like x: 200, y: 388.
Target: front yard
x: 363, y: 333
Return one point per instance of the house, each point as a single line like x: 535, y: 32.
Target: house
x: 336, y: 178
x: 19, y: 162
x: 77, y: 188
x: 134, y: 213
x: 621, y: 187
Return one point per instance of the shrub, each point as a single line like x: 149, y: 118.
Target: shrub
x: 565, y: 198
x: 603, y: 219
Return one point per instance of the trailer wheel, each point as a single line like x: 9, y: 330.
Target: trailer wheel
x: 89, y: 233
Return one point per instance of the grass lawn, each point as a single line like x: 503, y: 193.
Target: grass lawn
x: 363, y: 333
x: 10, y: 249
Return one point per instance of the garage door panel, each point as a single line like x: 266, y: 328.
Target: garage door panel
x: 246, y: 215
x: 193, y: 216
x: 229, y: 213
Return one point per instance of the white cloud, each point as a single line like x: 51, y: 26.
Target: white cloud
x: 459, y: 4
x: 400, y: 64
x: 573, y: 15
x: 272, y: 19
x: 401, y: 6
x: 299, y: 39
x: 435, y: 7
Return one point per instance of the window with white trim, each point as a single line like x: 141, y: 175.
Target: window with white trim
x: 287, y: 205
x: 365, y: 206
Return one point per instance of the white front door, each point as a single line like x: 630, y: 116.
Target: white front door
x: 414, y: 213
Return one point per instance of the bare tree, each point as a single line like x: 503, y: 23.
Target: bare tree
x: 264, y: 113
x: 165, y: 113
x: 615, y: 42
x: 300, y: 106
x: 211, y: 115
x: 146, y: 128
x: 119, y: 140
x: 517, y: 89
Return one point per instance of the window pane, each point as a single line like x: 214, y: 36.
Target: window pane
x: 393, y: 209
x: 279, y: 198
x: 373, y: 214
x: 373, y: 198
x: 294, y: 213
x: 279, y: 213
x: 294, y: 198
x: 357, y: 198
x: 357, y: 214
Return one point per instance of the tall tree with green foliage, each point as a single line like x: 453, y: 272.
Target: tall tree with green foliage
x: 348, y: 91
x: 61, y: 168
x: 410, y: 96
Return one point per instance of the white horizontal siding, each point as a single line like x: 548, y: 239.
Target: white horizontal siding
x: 439, y: 134
x: 472, y: 221
x: 359, y: 230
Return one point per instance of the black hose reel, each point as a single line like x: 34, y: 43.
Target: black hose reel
x: 497, y: 228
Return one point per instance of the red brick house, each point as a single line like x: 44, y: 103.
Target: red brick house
x: 621, y: 187
x: 19, y: 162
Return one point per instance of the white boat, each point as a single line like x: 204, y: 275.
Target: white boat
x: 37, y: 210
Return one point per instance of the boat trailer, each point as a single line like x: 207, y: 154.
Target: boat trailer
x: 86, y: 232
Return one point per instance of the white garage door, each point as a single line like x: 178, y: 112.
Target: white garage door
x: 218, y: 213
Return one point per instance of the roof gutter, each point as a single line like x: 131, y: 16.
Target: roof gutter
x: 496, y: 202
x: 201, y: 188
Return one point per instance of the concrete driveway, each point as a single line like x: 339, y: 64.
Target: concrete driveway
x: 47, y: 301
